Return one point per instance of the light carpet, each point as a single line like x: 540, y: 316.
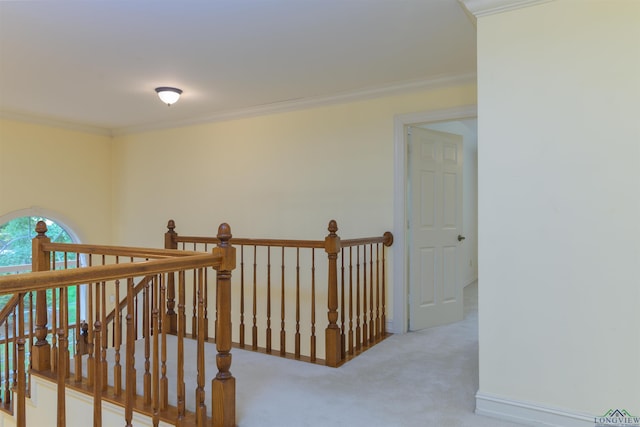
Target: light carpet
x: 425, y: 378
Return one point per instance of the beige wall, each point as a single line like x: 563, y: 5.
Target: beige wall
x: 282, y: 175
x: 59, y: 173
x: 559, y: 209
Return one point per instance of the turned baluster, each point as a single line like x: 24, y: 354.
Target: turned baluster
x: 312, y: 350
x: 297, y: 354
x: 242, y: 326
x: 283, y: 334
x: 170, y: 242
x: 343, y: 342
x: 97, y: 384
x: 130, y: 386
x: 254, y: 329
x: 365, y: 328
x: 332, y: 333
x: 62, y: 369
x: 201, y: 408
x: 41, y: 261
x: 155, y: 330
x: 223, y: 386
x: 182, y: 320
x: 21, y: 416
x: 268, y: 299
x: 350, y: 337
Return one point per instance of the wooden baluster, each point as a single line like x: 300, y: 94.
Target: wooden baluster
x: 31, y: 327
x: 7, y: 382
x: 62, y: 369
x: 268, y: 299
x: 41, y: 261
x: 223, y: 386
x: 155, y: 303
x: 378, y: 327
x: 388, y: 242
x: 104, y: 342
x: 350, y: 336
x: 182, y: 320
x: 64, y: 316
x: 194, y: 308
x: 372, y: 320
x: 21, y: 416
x: 206, y: 306
x: 117, y: 341
x: 97, y: 385
x: 313, y: 306
x: 130, y: 386
x: 332, y: 333
x: 201, y: 407
x: 15, y: 347
x: 358, y: 335
x: 89, y: 337
x: 80, y: 346
x: 164, y: 381
x: 365, y: 328
x: 171, y: 316
x: 64, y: 305
x: 343, y: 341
x: 283, y: 335
x: 242, y: 327
x: 297, y: 354
x: 54, y: 327
x: 146, y: 377
x: 254, y: 329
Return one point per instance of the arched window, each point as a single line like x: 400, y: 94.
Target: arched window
x: 15, y: 242
x: 15, y: 251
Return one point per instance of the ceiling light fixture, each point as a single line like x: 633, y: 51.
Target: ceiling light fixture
x: 168, y: 95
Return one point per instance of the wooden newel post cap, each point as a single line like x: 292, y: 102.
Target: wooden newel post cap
x: 171, y: 225
x: 333, y: 227
x: 224, y: 234
x: 41, y: 228
x: 224, y: 248
x: 388, y: 238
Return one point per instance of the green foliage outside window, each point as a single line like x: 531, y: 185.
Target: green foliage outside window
x: 15, y: 246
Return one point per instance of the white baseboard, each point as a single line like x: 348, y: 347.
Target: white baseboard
x: 528, y: 413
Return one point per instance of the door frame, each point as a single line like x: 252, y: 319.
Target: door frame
x: 400, y: 322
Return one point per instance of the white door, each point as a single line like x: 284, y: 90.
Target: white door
x: 434, y: 227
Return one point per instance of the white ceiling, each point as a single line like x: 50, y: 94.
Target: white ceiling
x: 95, y: 64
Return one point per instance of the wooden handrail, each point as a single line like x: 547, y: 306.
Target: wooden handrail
x: 8, y: 308
x: 347, y: 296
x: 42, y: 280
x: 123, y: 251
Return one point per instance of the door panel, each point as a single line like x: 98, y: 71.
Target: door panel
x: 435, y: 218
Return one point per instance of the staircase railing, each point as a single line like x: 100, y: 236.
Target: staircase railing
x: 99, y: 282
x: 285, y: 287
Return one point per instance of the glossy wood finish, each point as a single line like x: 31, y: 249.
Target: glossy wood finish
x: 354, y: 289
x: 104, y: 278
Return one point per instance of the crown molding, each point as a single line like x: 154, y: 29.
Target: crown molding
x: 260, y: 110
x: 305, y: 103
x: 479, y: 8
x: 48, y: 121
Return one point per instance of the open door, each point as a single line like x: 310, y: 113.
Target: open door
x: 434, y: 227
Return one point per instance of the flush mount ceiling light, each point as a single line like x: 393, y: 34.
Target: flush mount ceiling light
x: 168, y: 95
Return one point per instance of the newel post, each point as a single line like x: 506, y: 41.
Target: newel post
x: 171, y: 318
x: 41, y: 261
x: 223, y: 386
x: 332, y: 333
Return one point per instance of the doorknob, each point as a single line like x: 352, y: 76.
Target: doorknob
x: 461, y: 237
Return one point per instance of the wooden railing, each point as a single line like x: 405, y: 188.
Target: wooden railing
x: 97, y: 347
x: 291, y: 301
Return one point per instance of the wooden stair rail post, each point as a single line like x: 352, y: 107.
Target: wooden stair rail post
x: 21, y: 416
x: 171, y: 318
x: 41, y: 261
x: 332, y: 333
x: 61, y: 380
x: 223, y: 386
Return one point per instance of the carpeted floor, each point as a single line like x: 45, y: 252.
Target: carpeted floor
x: 425, y: 378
